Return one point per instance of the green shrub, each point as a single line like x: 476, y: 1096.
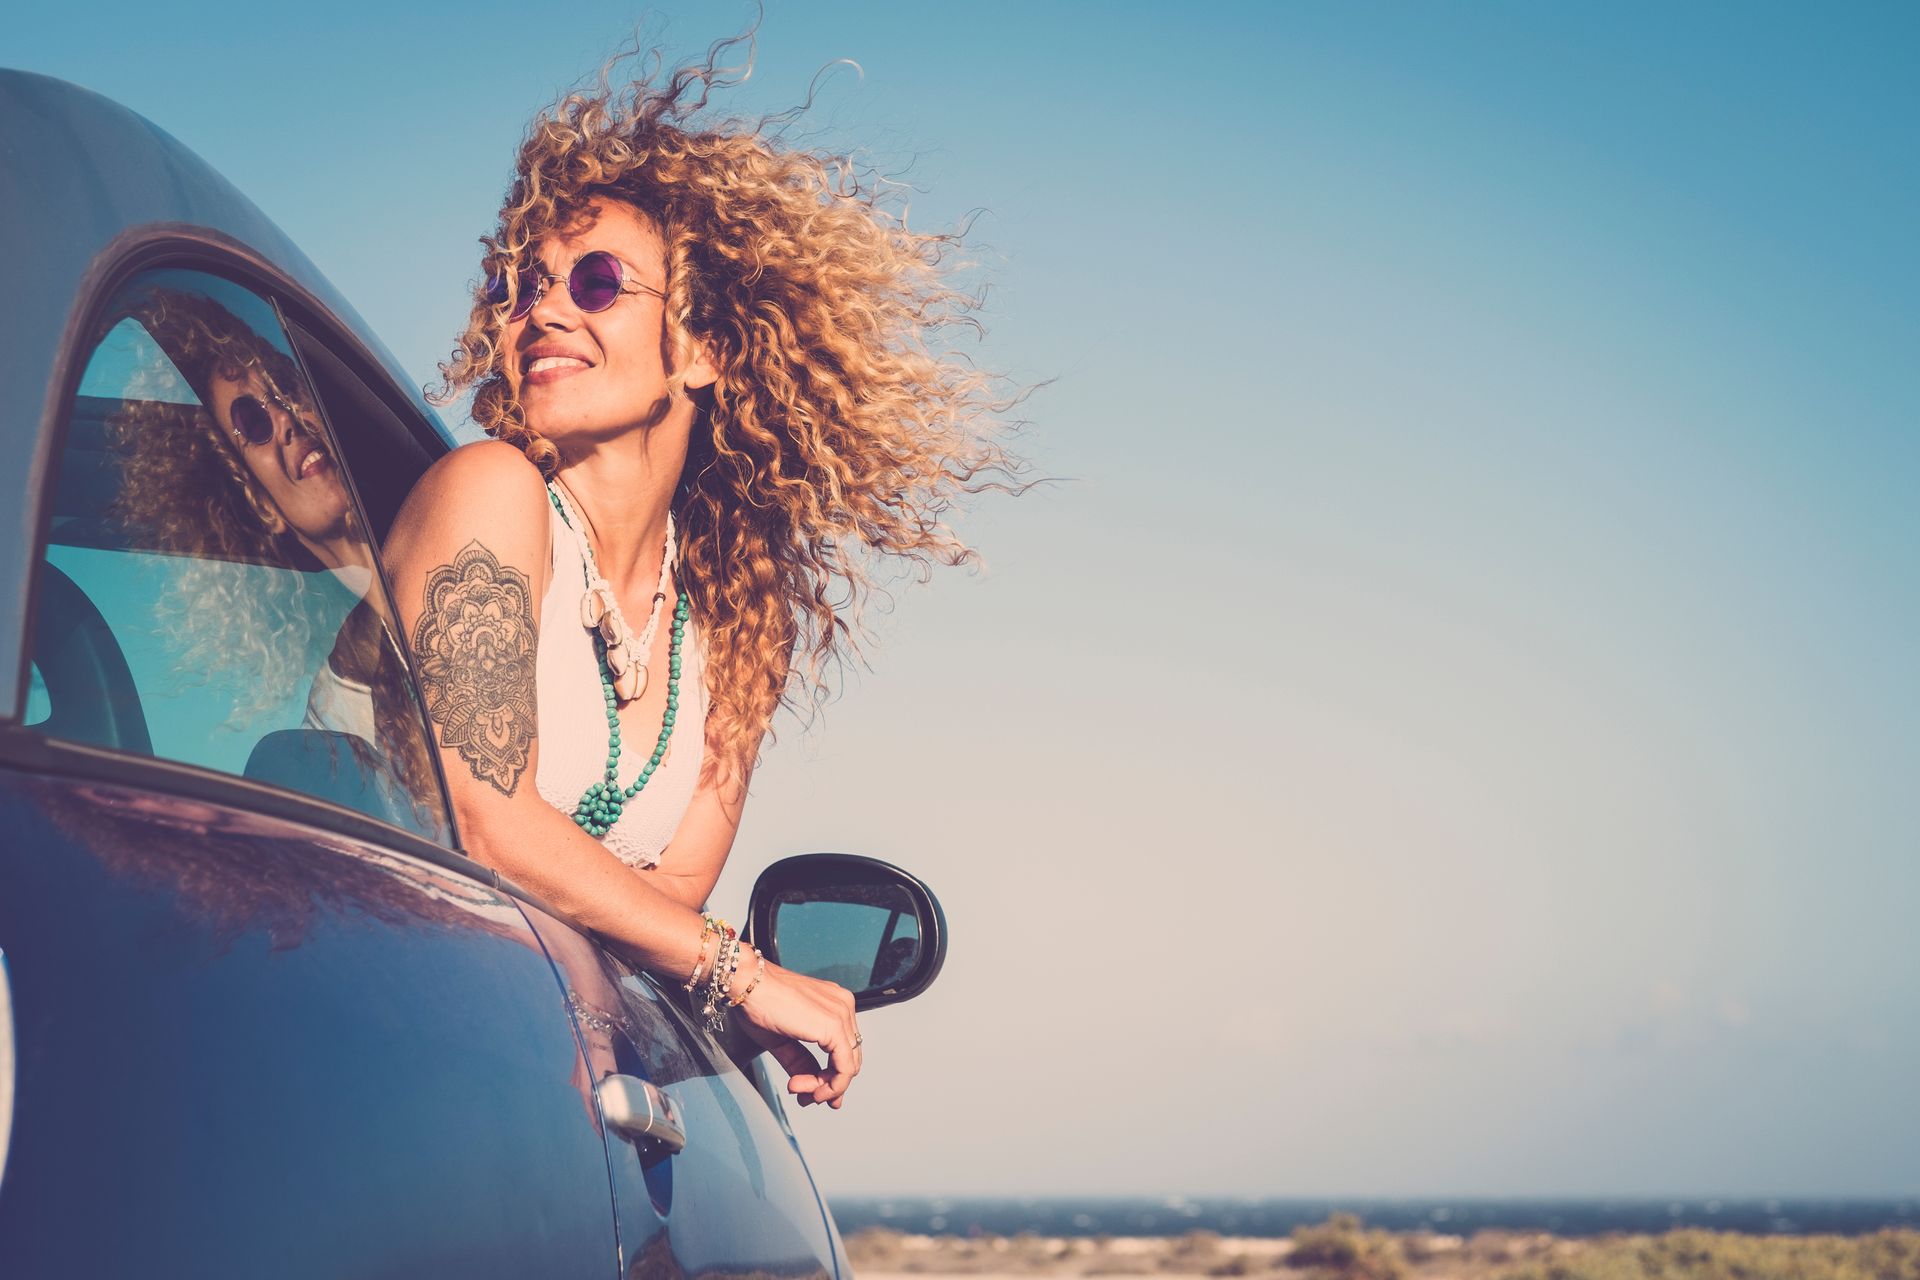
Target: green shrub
x: 1340, y: 1249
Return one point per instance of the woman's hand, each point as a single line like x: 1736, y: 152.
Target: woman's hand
x: 788, y: 1011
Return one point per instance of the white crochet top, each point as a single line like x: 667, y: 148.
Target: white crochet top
x: 573, y: 717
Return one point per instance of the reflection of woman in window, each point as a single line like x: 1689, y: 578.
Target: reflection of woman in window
x: 706, y: 361
x: 244, y: 479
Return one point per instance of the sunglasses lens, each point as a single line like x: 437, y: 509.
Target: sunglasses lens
x: 529, y: 294
x: 496, y: 288
x: 523, y: 300
x: 251, y: 420
x: 595, y: 281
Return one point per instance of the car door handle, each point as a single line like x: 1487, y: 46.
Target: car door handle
x: 636, y: 1109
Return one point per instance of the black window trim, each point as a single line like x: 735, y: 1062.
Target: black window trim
x: 185, y: 246
x: 379, y: 559
x: 307, y: 317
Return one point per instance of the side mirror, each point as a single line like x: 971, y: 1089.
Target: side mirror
x: 860, y: 922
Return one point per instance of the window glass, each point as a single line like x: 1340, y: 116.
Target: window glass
x: 209, y: 594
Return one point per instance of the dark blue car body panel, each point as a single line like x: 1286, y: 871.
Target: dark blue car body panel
x: 246, y: 1047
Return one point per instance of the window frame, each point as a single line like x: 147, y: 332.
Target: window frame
x: 215, y: 254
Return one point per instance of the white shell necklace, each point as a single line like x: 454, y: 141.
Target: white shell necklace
x: 600, y: 611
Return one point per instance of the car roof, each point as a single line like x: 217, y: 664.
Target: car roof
x: 91, y: 186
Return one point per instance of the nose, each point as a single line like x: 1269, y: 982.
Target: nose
x: 292, y: 423
x: 553, y: 306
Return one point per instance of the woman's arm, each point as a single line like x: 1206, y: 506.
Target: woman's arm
x: 469, y: 555
x: 690, y: 866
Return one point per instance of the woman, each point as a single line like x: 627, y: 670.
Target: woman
x: 704, y: 360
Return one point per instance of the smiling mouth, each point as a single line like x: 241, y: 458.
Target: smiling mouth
x: 547, y: 368
x: 314, y: 461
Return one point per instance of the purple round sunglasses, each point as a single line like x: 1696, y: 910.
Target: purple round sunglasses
x: 595, y: 282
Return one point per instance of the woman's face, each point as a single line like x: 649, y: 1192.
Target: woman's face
x: 589, y: 376
x: 293, y: 466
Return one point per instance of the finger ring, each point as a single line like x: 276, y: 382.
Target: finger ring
x: 858, y: 1039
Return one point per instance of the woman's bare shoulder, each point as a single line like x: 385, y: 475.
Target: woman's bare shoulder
x: 486, y: 491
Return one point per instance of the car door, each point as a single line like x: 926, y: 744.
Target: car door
x: 264, y: 1020
x: 736, y: 1199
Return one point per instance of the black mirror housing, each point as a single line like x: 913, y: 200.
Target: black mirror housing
x: 860, y: 922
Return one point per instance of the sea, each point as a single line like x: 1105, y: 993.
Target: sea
x: 1177, y: 1215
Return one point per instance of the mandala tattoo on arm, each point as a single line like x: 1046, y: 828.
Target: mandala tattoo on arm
x: 475, y: 646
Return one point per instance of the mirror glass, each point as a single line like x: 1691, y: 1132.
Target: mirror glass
x: 862, y: 936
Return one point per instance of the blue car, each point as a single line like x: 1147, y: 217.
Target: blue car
x: 259, y: 1015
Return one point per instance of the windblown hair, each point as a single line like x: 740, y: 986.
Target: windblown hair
x: 837, y: 436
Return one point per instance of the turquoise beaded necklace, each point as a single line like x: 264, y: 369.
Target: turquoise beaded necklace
x: 602, y: 803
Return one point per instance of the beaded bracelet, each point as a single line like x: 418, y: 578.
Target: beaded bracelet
x: 759, y: 973
x: 699, y: 963
x: 725, y: 961
x: 723, y: 975
x: 726, y: 981
x: 710, y: 925
x: 708, y: 1015
x: 700, y: 957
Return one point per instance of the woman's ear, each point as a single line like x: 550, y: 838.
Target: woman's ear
x: 702, y: 370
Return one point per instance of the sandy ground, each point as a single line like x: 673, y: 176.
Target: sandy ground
x: 892, y: 1255
x: 1342, y: 1249
x: 895, y: 1256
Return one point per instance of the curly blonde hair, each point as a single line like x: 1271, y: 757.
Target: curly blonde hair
x: 836, y: 436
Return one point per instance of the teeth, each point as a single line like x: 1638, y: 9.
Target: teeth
x: 312, y: 460
x: 556, y: 362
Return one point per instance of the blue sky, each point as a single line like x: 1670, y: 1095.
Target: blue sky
x: 1452, y: 729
